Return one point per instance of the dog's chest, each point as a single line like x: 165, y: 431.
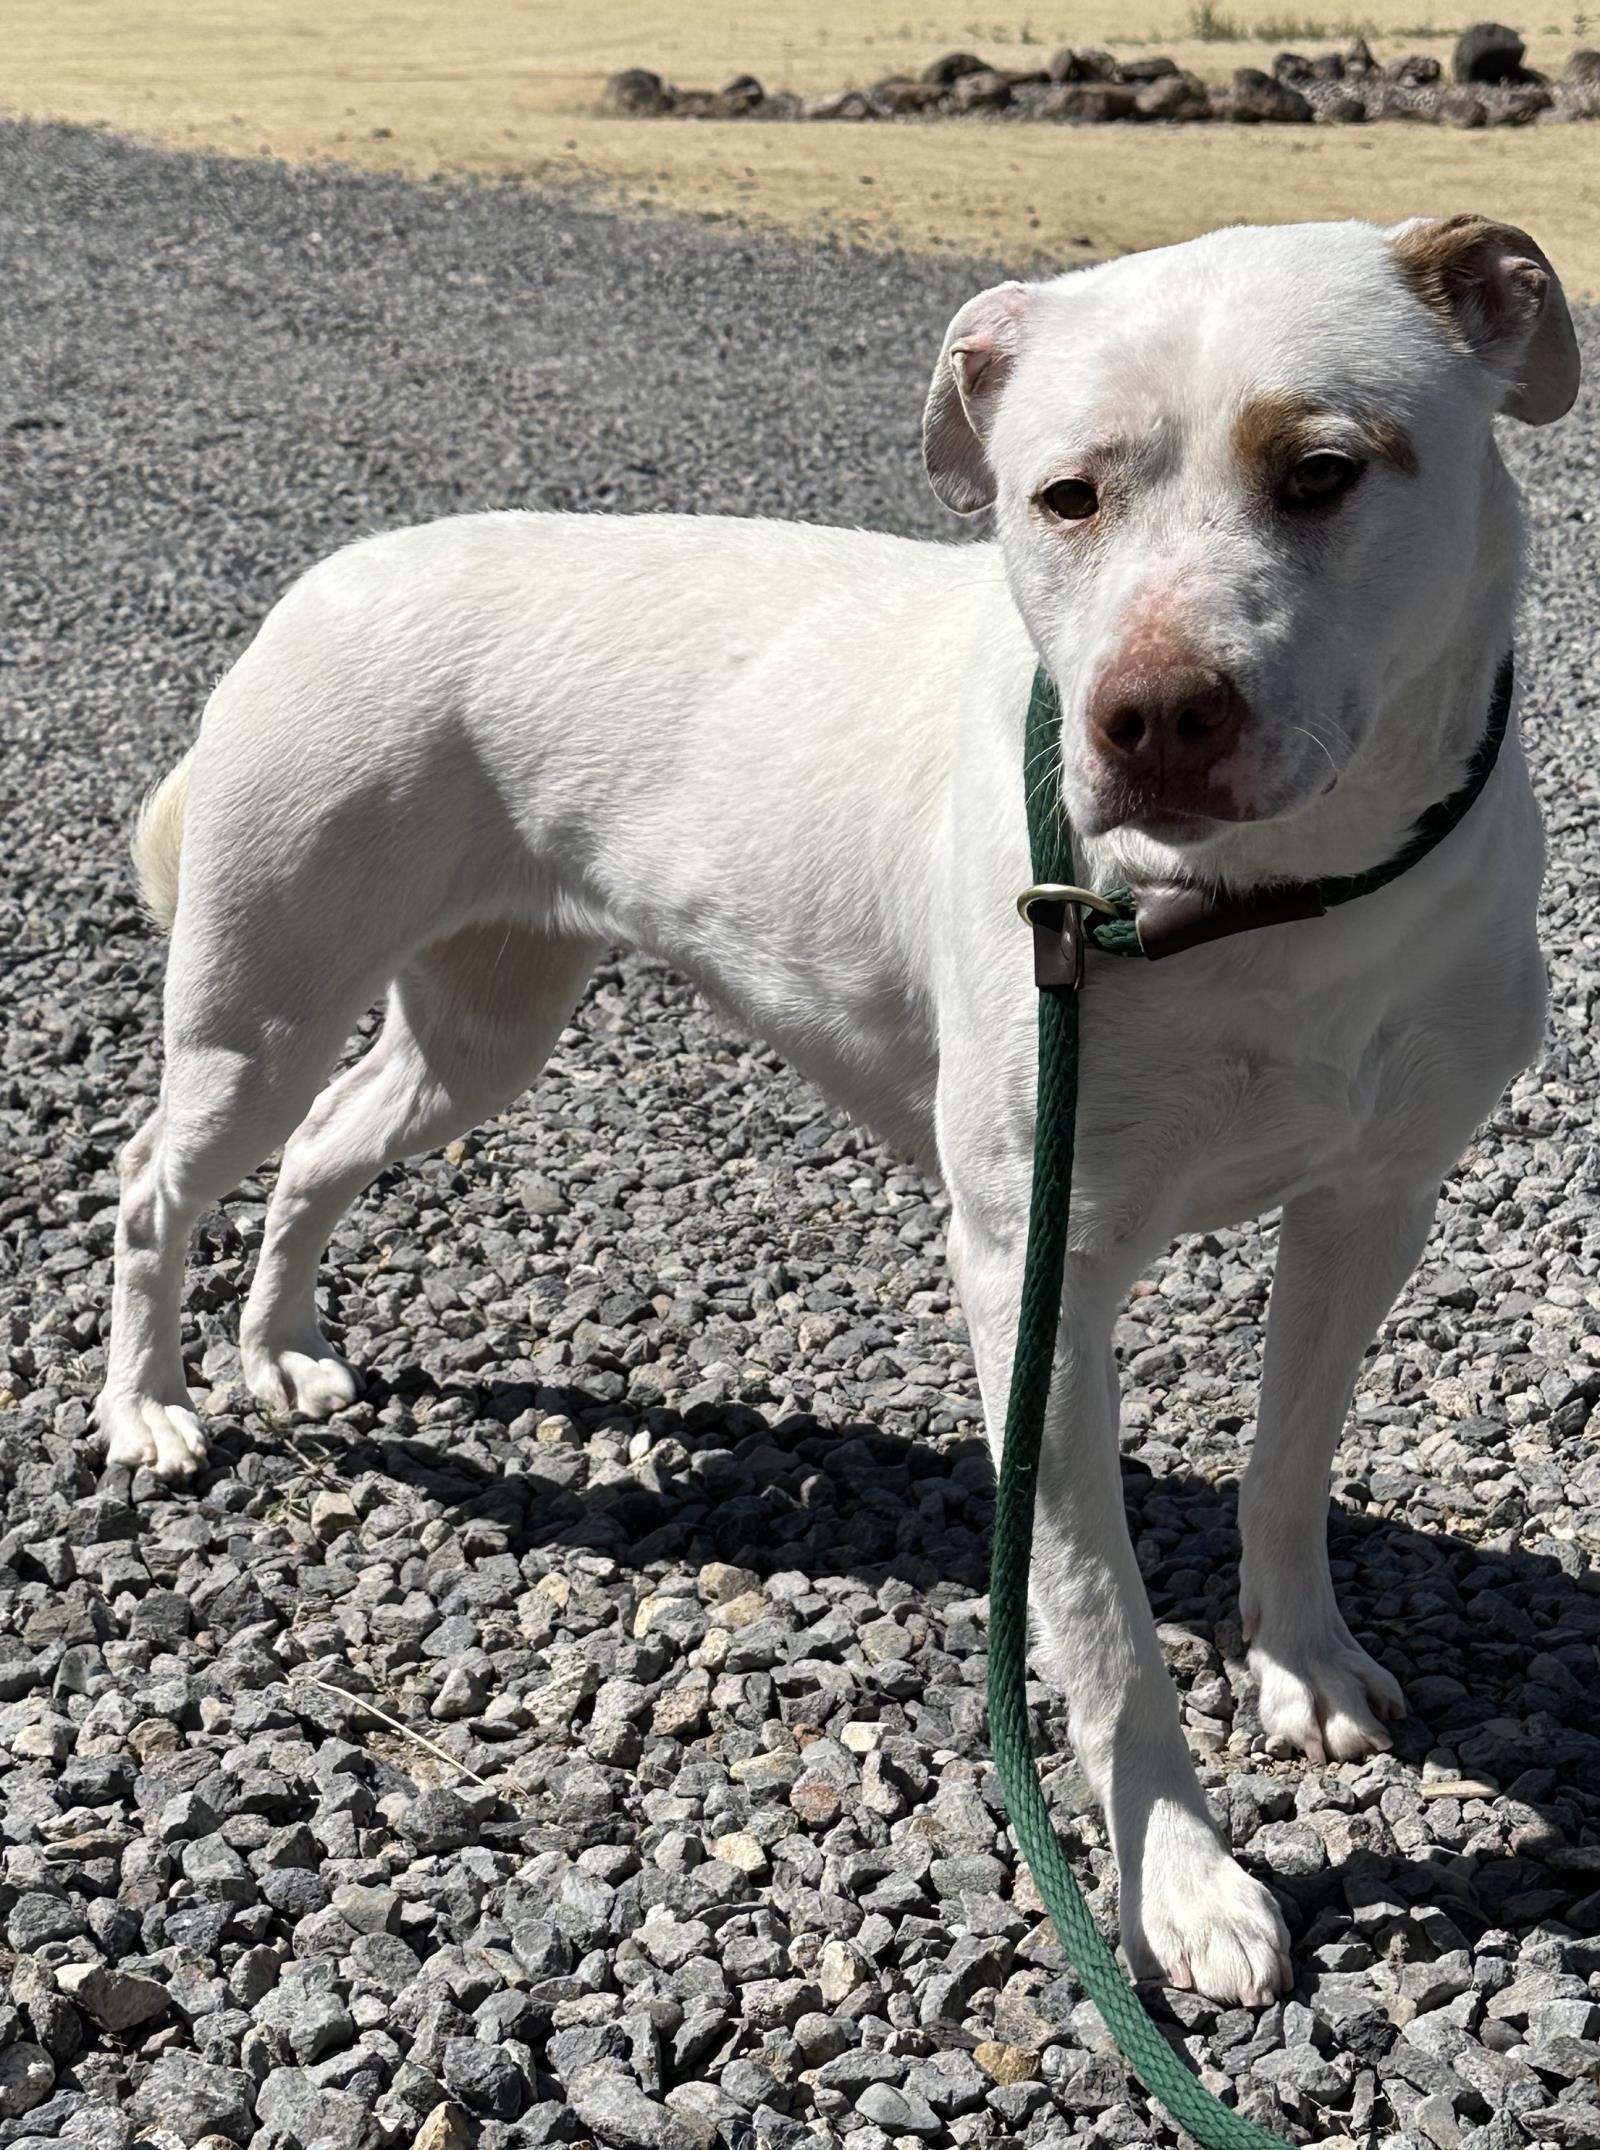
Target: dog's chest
x: 1266, y: 1129
x: 1202, y: 1123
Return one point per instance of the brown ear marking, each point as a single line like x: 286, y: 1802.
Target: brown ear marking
x: 1273, y: 432
x: 1444, y: 260
x: 1494, y: 293
x: 1436, y: 257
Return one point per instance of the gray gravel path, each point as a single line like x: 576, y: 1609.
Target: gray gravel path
x: 664, y: 1519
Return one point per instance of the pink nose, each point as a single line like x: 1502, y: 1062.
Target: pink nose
x: 1164, y: 726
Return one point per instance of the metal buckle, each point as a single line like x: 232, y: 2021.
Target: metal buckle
x: 1061, y: 892
x: 1051, y: 909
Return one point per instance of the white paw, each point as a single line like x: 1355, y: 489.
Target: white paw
x: 140, y: 1431
x: 314, y: 1383
x: 1322, y: 1693
x: 1201, y: 1923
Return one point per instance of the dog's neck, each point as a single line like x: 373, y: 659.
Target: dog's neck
x: 1429, y: 723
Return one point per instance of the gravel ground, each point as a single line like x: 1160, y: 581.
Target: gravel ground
x: 660, y: 1534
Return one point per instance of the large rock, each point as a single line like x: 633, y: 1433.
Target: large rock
x: 899, y: 95
x: 190, y: 2098
x: 1358, y: 60
x: 636, y: 90
x: 298, y: 2114
x: 1417, y: 71
x: 1488, y: 52
x: 39, y: 1917
x: 741, y: 95
x: 1174, y: 97
x: 446, y: 2128
x: 1089, y: 103
x: 617, y: 2113
x: 437, y: 1820
x: 1256, y: 98
x: 898, y: 2112
x: 951, y: 66
x: 840, y: 104
x: 986, y: 91
x: 484, y: 2077
x: 117, y: 2000
x: 27, y: 2077
x: 1088, y: 65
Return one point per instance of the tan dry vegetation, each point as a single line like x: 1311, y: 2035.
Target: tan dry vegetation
x: 509, y: 87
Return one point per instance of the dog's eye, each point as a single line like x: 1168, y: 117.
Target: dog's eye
x: 1317, y: 479
x: 1070, y: 500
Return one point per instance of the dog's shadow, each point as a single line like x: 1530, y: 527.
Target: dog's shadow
x: 1491, y: 1645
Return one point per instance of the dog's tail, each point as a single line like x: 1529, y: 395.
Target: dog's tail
x: 157, y: 842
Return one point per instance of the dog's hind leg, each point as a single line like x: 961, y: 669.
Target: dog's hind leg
x: 471, y: 1020
x: 231, y: 1091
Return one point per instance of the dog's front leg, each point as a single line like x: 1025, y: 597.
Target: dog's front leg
x: 1189, y: 1912
x: 1342, y: 1257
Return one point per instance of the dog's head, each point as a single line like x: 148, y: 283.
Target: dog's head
x: 1240, y: 485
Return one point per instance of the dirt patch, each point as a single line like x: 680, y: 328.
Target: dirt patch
x: 504, y: 89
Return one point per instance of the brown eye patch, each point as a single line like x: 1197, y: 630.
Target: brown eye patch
x: 1276, y: 435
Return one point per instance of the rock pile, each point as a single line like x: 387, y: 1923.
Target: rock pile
x: 1488, y: 86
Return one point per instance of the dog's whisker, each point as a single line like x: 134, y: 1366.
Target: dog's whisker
x: 1306, y: 733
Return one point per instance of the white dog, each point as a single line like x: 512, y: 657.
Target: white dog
x: 1252, y: 519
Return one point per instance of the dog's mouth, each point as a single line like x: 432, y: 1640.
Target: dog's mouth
x: 1188, y: 818
x: 1189, y: 808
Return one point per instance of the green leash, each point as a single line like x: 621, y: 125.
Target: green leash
x: 1155, y: 923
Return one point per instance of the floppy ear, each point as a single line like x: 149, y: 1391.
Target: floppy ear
x: 1497, y: 294
x: 980, y: 349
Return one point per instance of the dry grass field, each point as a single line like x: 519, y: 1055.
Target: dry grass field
x: 509, y: 87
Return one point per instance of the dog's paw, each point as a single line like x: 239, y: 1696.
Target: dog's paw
x: 314, y: 1382
x: 1200, y: 1922
x: 139, y: 1432
x: 1322, y: 1693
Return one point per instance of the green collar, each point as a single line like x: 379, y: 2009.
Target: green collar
x: 1166, y: 917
